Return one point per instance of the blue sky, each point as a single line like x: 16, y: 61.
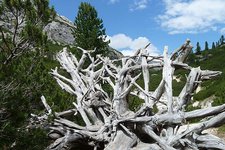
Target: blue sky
x: 130, y: 24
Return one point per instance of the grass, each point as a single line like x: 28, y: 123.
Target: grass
x: 214, y: 60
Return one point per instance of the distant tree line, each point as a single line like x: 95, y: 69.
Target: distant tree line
x: 220, y: 42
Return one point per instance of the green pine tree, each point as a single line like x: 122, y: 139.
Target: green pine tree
x: 222, y: 40
x: 206, y: 45
x: 218, y: 43
x: 89, y: 32
x: 198, y: 49
x: 213, y: 45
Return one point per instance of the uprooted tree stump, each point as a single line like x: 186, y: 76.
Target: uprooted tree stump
x: 159, y: 123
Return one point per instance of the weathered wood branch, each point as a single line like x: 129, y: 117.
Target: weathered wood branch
x: 109, y: 123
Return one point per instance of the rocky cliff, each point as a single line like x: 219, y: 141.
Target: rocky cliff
x: 60, y: 31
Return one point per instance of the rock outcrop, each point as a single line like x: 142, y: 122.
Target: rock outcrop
x: 114, y: 54
x: 60, y: 31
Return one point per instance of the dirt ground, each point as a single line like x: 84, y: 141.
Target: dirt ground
x: 215, y: 132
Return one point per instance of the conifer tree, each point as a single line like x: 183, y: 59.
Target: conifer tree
x: 213, y: 45
x: 89, y: 32
x: 218, y: 43
x: 198, y: 49
x: 206, y: 45
x: 222, y: 40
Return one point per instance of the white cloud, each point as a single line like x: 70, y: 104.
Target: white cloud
x: 127, y: 52
x: 222, y: 31
x: 128, y: 46
x: 120, y: 41
x: 192, y: 16
x: 113, y: 1
x: 139, y: 5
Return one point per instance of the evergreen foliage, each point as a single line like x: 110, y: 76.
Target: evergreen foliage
x: 22, y: 84
x: 22, y: 27
x: 217, y: 44
x: 90, y: 33
x: 213, y: 45
x: 198, y: 49
x: 206, y: 45
x: 26, y: 59
x: 222, y: 40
